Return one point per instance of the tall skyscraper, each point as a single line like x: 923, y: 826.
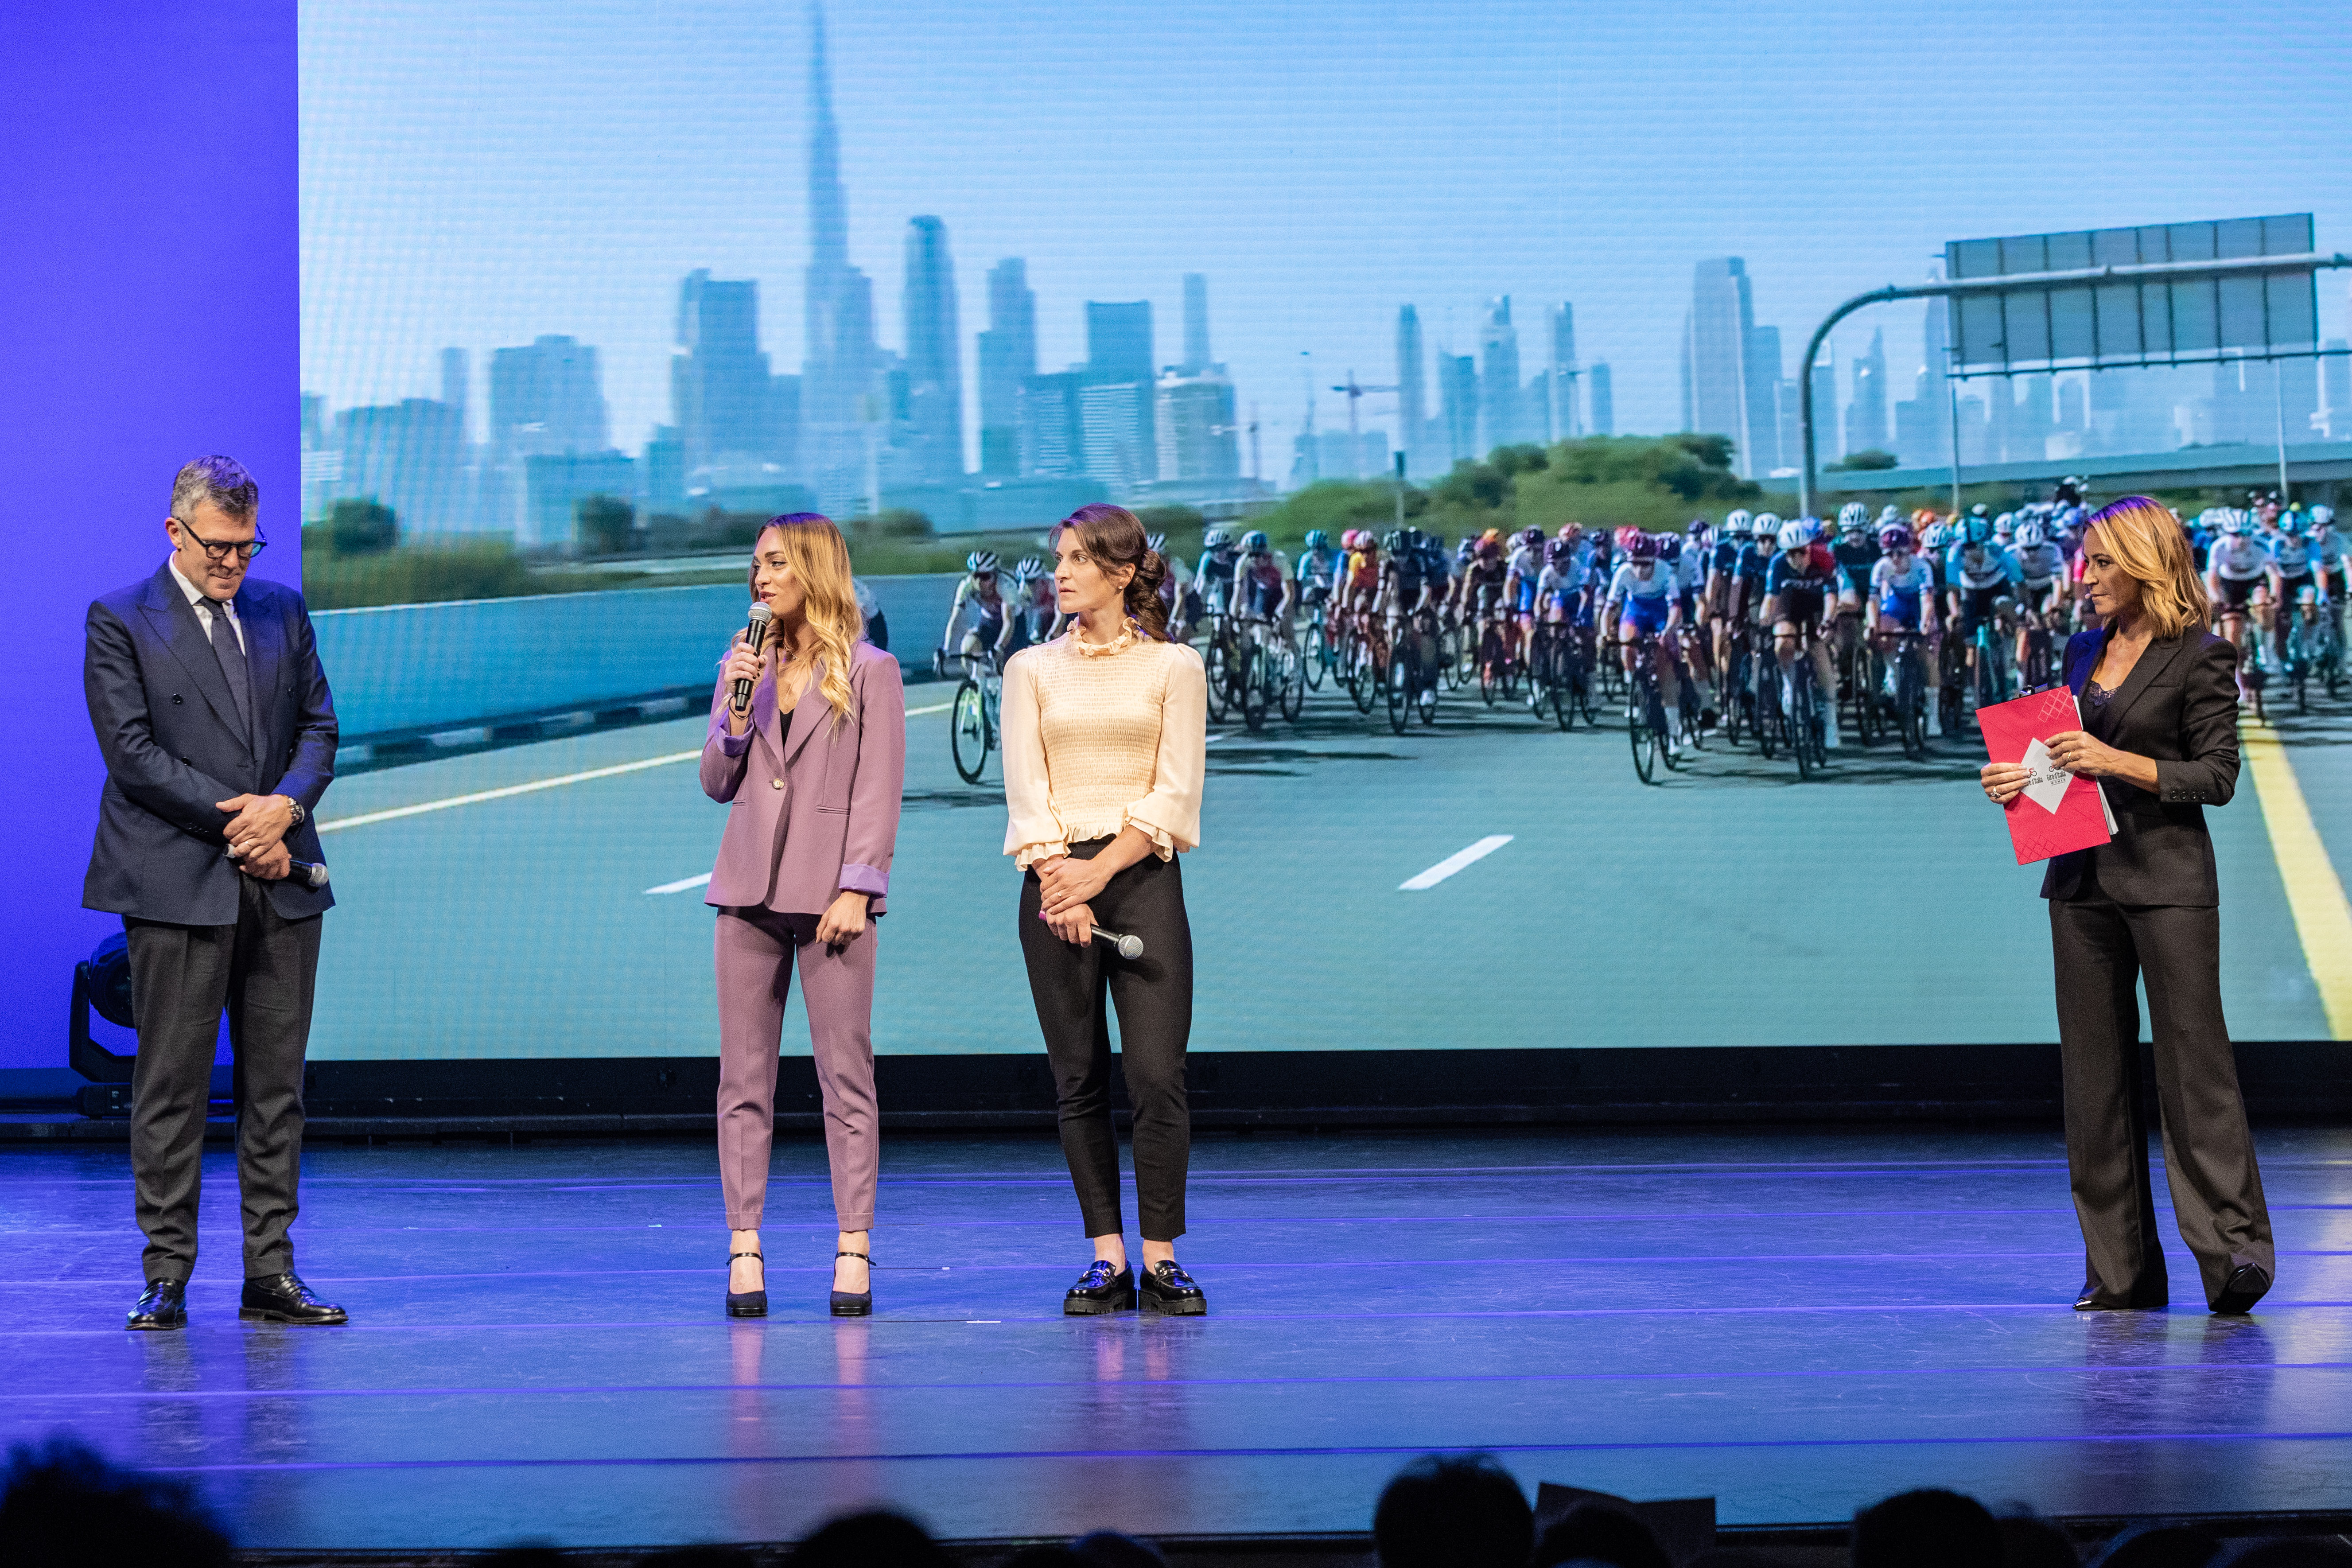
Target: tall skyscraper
x: 1052, y: 432
x: 841, y: 402
x: 548, y: 397
x: 722, y: 397
x: 1119, y: 355
x: 1866, y: 417
x: 1196, y: 323
x: 1501, y: 399
x: 1827, y: 447
x: 1604, y: 403
x: 1566, y: 423
x: 1923, y: 433
x: 934, y: 355
x: 1008, y: 358
x: 1772, y: 411
x: 409, y: 455
x: 1730, y: 385
x: 1423, y: 446
x: 1458, y: 402
x: 457, y: 384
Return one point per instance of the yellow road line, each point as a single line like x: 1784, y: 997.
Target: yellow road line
x: 2313, y: 891
x: 365, y: 818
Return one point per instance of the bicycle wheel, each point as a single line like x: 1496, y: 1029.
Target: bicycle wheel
x: 1254, y: 681
x: 1561, y: 683
x: 1911, y: 706
x: 1290, y: 673
x: 1363, y: 673
x: 1403, y: 674
x: 1490, y: 666
x: 1644, y: 739
x: 1798, y: 723
x: 1770, y: 735
x: 968, y: 737
x: 1214, y: 660
x: 1693, y: 714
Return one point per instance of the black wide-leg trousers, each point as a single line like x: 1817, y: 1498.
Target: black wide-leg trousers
x: 264, y: 971
x: 2102, y: 950
x: 1153, y: 994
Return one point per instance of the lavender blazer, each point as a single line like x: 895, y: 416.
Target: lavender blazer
x: 822, y: 817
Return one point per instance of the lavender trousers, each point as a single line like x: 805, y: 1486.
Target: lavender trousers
x: 755, y: 949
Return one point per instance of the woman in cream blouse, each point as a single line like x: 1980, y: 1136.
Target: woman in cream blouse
x: 1106, y: 730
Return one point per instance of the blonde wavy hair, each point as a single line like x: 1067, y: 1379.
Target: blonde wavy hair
x: 2149, y: 542
x: 813, y: 547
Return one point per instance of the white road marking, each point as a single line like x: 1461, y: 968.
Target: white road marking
x: 679, y: 887
x: 934, y: 708
x: 1454, y: 862
x: 367, y: 817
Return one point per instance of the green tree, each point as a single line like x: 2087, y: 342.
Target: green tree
x: 606, y: 525
x: 361, y: 526
x: 1869, y: 460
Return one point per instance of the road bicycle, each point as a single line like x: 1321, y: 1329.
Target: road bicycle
x: 972, y: 716
x: 1645, y: 711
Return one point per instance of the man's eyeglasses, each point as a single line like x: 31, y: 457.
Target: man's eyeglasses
x: 246, y: 550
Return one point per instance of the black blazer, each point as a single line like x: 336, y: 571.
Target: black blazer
x: 168, y: 728
x: 2180, y: 706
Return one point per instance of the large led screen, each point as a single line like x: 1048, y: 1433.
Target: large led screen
x: 591, y: 288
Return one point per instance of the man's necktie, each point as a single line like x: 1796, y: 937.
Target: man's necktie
x: 233, y: 665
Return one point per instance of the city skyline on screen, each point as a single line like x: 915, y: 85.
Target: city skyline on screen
x: 1278, y: 183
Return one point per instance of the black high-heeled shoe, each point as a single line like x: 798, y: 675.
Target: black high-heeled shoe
x: 747, y: 1303
x: 855, y: 1303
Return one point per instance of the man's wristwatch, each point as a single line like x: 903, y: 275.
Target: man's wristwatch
x: 301, y: 814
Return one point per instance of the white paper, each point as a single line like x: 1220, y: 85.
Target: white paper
x: 2047, y: 787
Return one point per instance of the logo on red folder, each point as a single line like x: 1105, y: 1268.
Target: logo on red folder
x: 2057, y: 812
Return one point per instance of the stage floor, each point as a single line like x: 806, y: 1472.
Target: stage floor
x: 1795, y: 1322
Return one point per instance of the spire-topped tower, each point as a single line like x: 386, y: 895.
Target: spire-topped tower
x: 841, y: 366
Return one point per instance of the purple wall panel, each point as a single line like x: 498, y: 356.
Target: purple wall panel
x: 148, y: 306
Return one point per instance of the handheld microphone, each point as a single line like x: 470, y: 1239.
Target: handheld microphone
x: 309, y: 873
x: 754, y: 635
x: 1128, y: 947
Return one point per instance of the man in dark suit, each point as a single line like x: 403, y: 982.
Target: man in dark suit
x: 219, y: 737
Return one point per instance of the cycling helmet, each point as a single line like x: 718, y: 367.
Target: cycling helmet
x: 1767, y: 525
x: 2322, y: 516
x: 1642, y: 546
x: 1254, y: 542
x: 1318, y: 540
x: 1028, y: 569
x: 1215, y: 537
x: 1489, y: 547
x: 2289, y: 523
x: 2004, y: 526
x: 1394, y: 542
x: 1156, y: 543
x: 1813, y: 527
x: 1626, y: 535
x: 1736, y: 520
x: 1532, y: 537
x: 1852, y: 517
x: 2030, y: 534
x: 981, y: 562
x: 1925, y: 516
x: 2236, y: 521
x: 1933, y: 537
x: 2070, y: 491
x: 1980, y: 510
x: 1887, y: 514
x: 1558, y: 550
x: 1977, y: 528
x: 1793, y: 536
x: 1569, y: 532
x: 1894, y: 536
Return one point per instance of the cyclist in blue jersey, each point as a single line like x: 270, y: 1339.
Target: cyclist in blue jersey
x: 1902, y: 594
x: 1799, y: 589
x: 2297, y: 583
x: 1646, y: 600
x: 1317, y: 570
x: 1981, y: 585
x: 1717, y: 596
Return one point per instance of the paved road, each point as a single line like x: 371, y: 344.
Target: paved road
x: 1730, y: 905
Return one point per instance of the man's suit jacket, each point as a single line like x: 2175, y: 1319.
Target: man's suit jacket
x: 2180, y: 706
x: 817, y: 813
x: 174, y: 746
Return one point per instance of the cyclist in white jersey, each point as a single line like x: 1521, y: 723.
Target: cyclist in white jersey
x: 2241, y: 579
x: 2041, y: 583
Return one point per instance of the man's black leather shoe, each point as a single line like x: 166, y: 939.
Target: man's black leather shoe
x: 2245, y: 1286
x: 1165, y: 1288
x: 284, y: 1299
x: 1101, y: 1289
x: 162, y: 1305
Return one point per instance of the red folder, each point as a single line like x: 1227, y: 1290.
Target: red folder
x: 2057, y: 812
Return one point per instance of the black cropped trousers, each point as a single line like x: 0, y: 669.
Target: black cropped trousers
x: 1153, y: 994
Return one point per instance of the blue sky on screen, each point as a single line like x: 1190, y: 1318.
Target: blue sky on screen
x: 480, y: 172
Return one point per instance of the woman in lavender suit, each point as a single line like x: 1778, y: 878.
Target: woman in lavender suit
x: 812, y: 766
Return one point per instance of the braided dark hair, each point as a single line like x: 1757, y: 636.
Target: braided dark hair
x: 1114, y: 537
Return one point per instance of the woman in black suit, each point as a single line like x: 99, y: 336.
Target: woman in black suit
x: 2159, y: 700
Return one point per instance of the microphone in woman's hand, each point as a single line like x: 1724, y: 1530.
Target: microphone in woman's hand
x: 1128, y: 946
x: 754, y: 634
